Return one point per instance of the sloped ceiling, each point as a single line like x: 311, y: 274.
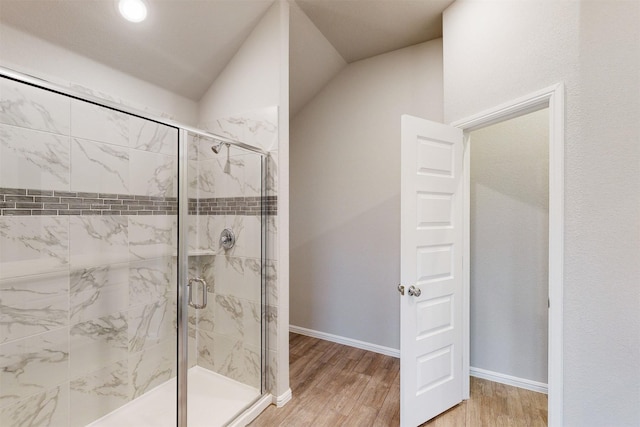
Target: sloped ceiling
x: 182, y: 46
x: 326, y: 35
x: 360, y: 29
x: 185, y: 44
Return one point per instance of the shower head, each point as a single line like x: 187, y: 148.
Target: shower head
x: 216, y: 148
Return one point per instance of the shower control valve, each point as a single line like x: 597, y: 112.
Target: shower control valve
x: 227, y: 238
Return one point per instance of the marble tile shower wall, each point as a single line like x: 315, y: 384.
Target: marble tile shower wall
x: 227, y: 334
x: 86, y: 292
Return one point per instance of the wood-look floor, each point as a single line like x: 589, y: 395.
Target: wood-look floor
x: 337, y: 385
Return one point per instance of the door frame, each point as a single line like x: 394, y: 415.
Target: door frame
x: 552, y: 98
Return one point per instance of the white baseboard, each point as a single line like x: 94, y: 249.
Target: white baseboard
x: 282, y: 400
x: 252, y: 413
x: 256, y: 409
x: 387, y: 351
x: 509, y: 380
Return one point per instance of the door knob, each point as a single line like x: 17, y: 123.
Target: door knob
x: 414, y: 292
x: 401, y: 289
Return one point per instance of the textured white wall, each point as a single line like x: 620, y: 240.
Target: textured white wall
x: 345, y: 193
x: 313, y: 60
x: 31, y: 55
x: 251, y: 80
x: 510, y: 246
x: 498, y: 51
x: 283, y: 230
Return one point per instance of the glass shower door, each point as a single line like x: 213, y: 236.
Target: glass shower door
x: 122, y: 239
x: 221, y: 286
x: 88, y: 230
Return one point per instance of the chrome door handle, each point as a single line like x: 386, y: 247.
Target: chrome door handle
x: 401, y: 289
x: 414, y: 292
x: 205, y: 291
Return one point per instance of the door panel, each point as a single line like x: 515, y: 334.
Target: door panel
x: 223, y: 284
x: 431, y: 262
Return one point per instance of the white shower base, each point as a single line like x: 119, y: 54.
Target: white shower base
x: 212, y: 401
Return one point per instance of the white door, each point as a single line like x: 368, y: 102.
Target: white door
x: 431, y: 270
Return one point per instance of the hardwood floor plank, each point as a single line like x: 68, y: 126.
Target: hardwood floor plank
x: 336, y: 385
x: 311, y: 375
x: 374, y: 393
x: 345, y: 400
x: 361, y: 416
x: 329, y: 418
x: 386, y: 373
x: 298, y: 418
x: 455, y: 416
x: 356, y: 353
x: 473, y: 406
x: 389, y: 413
x: 338, y: 381
x: 364, y: 363
x: 330, y: 352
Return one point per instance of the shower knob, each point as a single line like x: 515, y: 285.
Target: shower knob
x: 227, y: 238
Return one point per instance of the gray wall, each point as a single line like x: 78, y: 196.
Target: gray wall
x: 498, y: 51
x: 345, y: 193
x: 509, y: 247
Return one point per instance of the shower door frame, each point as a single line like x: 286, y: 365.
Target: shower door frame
x: 183, y: 212
x: 183, y: 273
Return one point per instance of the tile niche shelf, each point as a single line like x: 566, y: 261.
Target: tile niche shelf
x: 198, y: 252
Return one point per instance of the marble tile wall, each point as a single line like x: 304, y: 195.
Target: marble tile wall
x: 228, y: 331
x: 87, y: 266
x: 87, y: 231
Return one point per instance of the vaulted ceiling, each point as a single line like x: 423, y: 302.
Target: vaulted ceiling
x: 360, y: 29
x: 185, y: 44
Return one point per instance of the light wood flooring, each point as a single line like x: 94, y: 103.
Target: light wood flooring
x: 337, y: 385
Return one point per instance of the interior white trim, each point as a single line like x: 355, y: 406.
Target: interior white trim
x: 466, y: 270
x: 252, y: 412
x: 283, y: 399
x: 509, y: 380
x: 553, y: 98
x: 387, y: 351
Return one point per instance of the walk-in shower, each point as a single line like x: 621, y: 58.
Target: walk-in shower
x: 131, y: 265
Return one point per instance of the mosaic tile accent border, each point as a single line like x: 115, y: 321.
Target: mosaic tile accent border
x: 233, y: 206
x: 21, y: 201
x: 270, y: 205
x: 28, y: 202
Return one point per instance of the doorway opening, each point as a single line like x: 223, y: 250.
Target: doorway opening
x: 509, y: 253
x: 547, y: 103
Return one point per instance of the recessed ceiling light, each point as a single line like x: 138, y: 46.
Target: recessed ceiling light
x: 133, y: 10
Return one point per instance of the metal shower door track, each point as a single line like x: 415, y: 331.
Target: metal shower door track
x: 53, y: 87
